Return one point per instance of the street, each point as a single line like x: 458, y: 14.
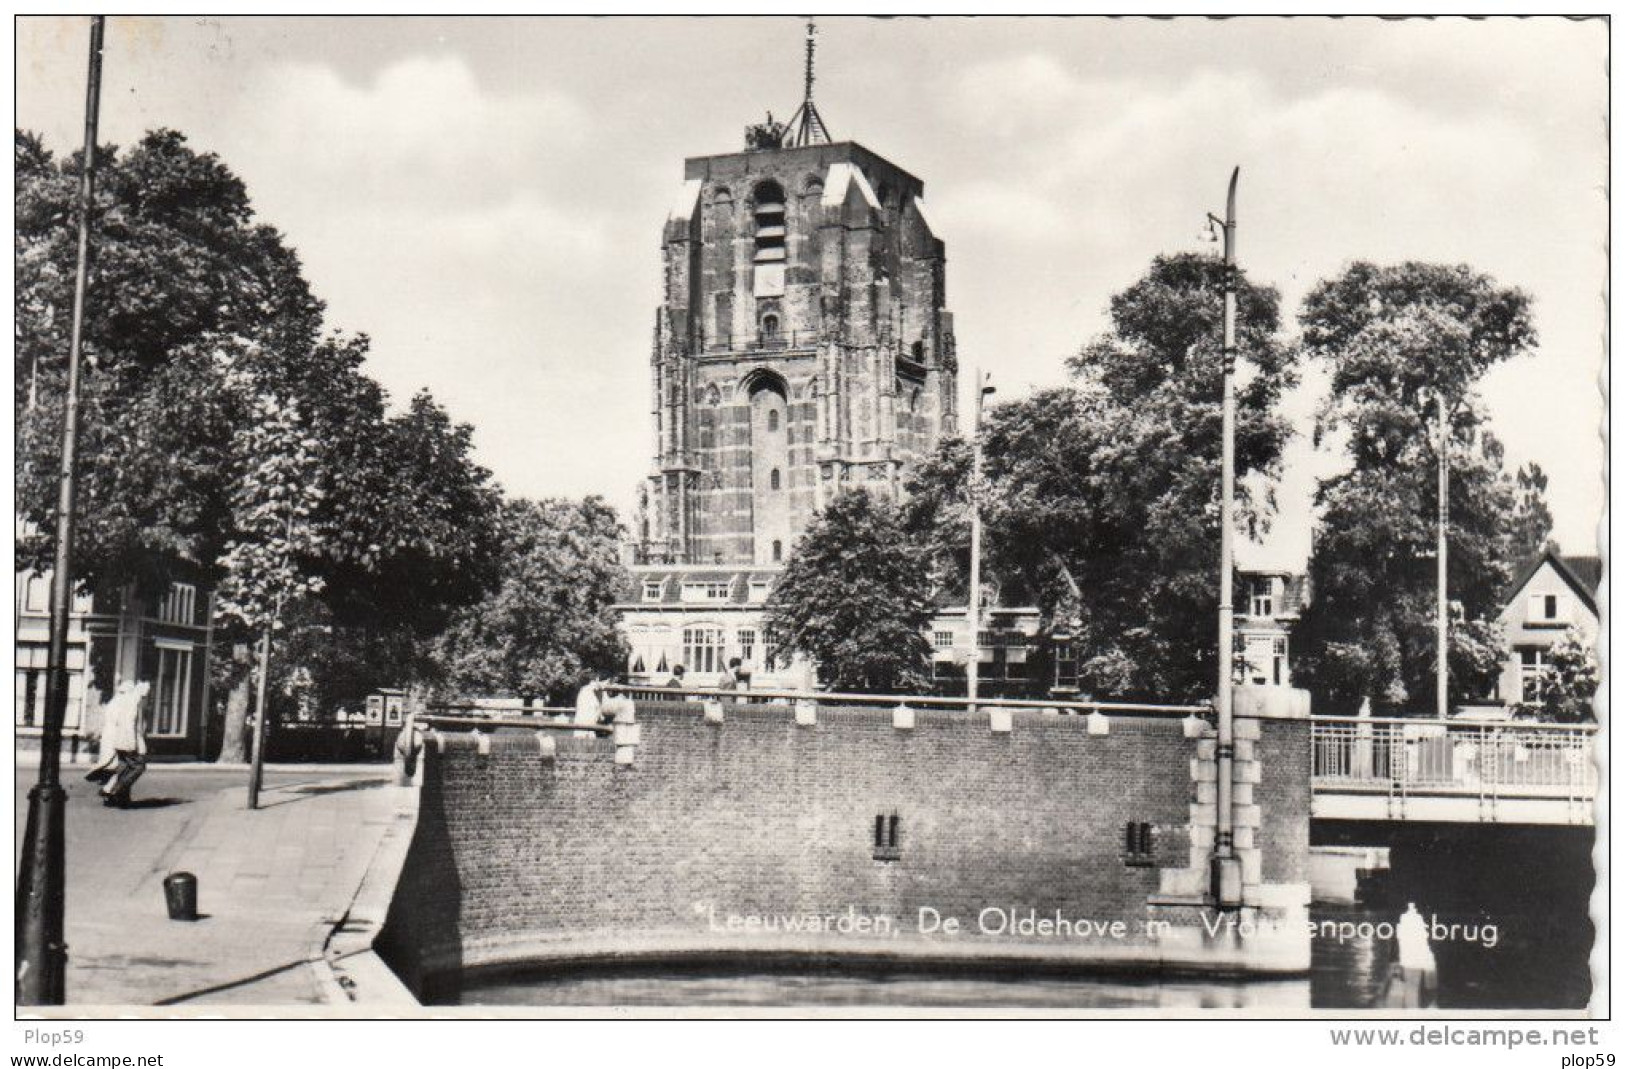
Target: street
x: 268, y: 880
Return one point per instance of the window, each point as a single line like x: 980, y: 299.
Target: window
x: 1548, y: 609
x: 180, y: 605
x: 702, y: 648
x: 942, y: 640
x: 1532, y: 665
x: 1263, y: 600
x: 773, y: 479
x: 772, y: 419
x: 37, y: 595
x: 171, y: 689
x: 770, y: 326
x: 1139, y: 844
x: 759, y: 589
x: 707, y: 591
x: 653, y: 589
x: 886, y: 844
x: 31, y: 684
x: 770, y: 248
x: 1066, y: 667
x: 747, y: 644
x: 778, y: 549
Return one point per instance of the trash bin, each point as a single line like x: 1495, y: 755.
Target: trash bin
x: 180, y: 895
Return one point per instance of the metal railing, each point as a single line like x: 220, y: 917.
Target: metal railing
x: 915, y: 701
x: 1484, y: 759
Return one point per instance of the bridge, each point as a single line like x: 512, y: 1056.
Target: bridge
x: 1452, y: 771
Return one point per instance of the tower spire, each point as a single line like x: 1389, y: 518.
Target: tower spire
x: 806, y: 125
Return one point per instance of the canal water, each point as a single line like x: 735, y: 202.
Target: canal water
x: 1507, y: 916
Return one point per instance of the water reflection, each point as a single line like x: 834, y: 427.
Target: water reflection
x: 838, y: 987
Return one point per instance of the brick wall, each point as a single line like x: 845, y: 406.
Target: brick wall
x: 519, y: 855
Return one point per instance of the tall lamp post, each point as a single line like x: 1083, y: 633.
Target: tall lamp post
x: 1442, y: 690
x: 42, y: 956
x: 973, y: 602
x: 1226, y: 875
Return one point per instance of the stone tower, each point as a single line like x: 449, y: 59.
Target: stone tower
x: 801, y: 348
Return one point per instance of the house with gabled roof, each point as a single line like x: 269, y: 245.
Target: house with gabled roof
x: 1551, y: 594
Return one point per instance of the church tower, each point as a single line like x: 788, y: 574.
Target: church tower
x: 802, y: 347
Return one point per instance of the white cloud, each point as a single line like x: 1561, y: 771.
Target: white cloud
x: 424, y: 130
x: 1098, y: 174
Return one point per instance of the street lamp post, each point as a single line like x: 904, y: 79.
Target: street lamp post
x: 1442, y: 694
x: 1226, y: 875
x: 973, y: 601
x: 42, y: 956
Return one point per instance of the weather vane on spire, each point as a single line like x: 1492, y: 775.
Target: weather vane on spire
x: 807, y: 126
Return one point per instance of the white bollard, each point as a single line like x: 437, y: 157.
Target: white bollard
x: 806, y: 713
x: 1001, y: 720
x: 902, y: 717
x: 713, y: 712
x: 1098, y: 724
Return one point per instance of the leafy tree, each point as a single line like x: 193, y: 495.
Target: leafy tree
x: 1568, y: 685
x: 1396, y: 340
x: 1102, y: 496
x: 855, y: 597
x: 550, y: 623
x: 180, y: 273
x: 221, y: 432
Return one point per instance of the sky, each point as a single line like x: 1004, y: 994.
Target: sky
x: 484, y: 197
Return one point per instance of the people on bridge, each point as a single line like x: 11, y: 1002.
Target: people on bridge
x: 676, y: 680
x: 731, y: 679
x: 590, y: 702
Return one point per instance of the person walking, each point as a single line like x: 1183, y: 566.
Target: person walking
x: 123, y: 744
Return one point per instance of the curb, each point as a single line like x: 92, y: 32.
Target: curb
x: 346, y: 967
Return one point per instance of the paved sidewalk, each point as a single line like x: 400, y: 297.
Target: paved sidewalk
x: 271, y: 882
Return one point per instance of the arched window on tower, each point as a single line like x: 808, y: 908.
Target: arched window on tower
x: 770, y: 240
x: 778, y: 551
x: 773, y: 479
x: 770, y: 326
x: 772, y: 419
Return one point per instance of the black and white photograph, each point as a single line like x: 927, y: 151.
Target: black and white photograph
x: 811, y: 517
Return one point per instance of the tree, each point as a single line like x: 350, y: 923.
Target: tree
x: 222, y: 434
x: 1102, y: 497
x: 1396, y: 340
x: 1567, y: 687
x: 550, y: 623
x: 855, y: 598
x: 181, y: 272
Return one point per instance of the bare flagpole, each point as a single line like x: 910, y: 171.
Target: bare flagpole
x: 42, y: 956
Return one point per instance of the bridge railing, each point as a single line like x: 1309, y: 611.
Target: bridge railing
x: 753, y: 696
x: 1479, y: 758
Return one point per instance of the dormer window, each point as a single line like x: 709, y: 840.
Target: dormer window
x: 653, y: 589
x: 1263, y: 599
